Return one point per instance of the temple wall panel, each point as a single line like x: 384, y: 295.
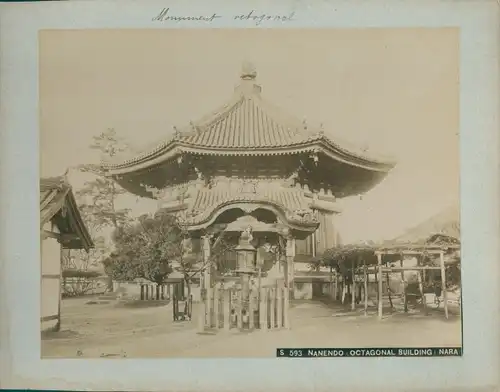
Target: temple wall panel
x: 326, y: 233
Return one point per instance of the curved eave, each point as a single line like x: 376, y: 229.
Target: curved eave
x: 321, y: 145
x: 209, y: 215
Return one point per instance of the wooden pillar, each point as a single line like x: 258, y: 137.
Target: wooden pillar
x: 279, y: 308
x: 216, y: 307
x: 286, y: 305
x: 336, y: 288
x: 206, y: 262
x: 353, y: 294
x: 207, y: 278
x: 443, y: 283
x: 405, y: 285
x: 290, y: 257
x: 388, y: 281
x: 202, y: 315
x: 263, y: 310
x: 421, y: 287
x: 380, y: 300
x: 365, y: 278
x: 272, y: 292
x: 251, y: 311
x: 227, y: 310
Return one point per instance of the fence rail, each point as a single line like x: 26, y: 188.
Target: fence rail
x: 227, y: 309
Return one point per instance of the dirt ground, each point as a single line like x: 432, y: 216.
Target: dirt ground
x: 114, y: 331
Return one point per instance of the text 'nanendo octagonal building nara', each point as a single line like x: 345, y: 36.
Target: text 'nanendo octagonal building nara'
x: 258, y: 174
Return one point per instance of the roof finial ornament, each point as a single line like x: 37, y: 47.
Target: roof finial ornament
x: 248, y: 71
x: 321, y: 130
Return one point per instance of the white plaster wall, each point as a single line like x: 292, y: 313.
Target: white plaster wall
x: 50, y: 285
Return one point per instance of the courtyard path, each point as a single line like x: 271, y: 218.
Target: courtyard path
x: 139, y: 333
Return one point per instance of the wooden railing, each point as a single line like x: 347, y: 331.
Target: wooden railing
x: 226, y: 309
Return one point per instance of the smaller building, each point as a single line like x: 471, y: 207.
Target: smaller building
x: 61, y: 228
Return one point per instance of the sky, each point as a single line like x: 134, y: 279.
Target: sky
x: 395, y: 91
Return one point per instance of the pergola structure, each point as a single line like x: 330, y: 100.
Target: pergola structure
x: 373, y: 259
x: 415, y: 251
x: 248, y: 168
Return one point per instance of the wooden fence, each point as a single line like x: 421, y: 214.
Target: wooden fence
x: 161, y: 292
x: 226, y: 309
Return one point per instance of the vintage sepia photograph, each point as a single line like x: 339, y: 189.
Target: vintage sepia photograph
x: 210, y: 193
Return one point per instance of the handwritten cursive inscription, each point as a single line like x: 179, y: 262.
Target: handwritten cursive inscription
x: 260, y: 18
x: 165, y: 16
x: 252, y: 16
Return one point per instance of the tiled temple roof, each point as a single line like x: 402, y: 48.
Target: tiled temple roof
x: 56, y: 198
x: 248, y: 125
x: 293, y: 200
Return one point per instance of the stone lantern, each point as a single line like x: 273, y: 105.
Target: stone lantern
x: 246, y: 258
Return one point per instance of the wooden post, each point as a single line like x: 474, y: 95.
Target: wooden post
x: 330, y: 287
x: 216, y: 307
x: 279, y: 310
x: 353, y: 294
x: 226, y: 309
x: 210, y: 307
x: 272, y: 307
x: 387, y: 279
x: 443, y: 284
x: 380, y: 301
x: 290, y: 256
x: 336, y: 286
x: 286, y: 316
x: 404, y: 284
x: 251, y: 314
x: 365, y: 277
x: 421, y: 289
x: 263, y: 310
x: 202, y: 316
x: 206, y: 262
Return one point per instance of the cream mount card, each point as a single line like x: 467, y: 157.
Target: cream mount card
x: 232, y: 189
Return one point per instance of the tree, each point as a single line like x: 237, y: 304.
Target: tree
x: 145, y: 249
x: 190, y: 263
x: 98, y: 197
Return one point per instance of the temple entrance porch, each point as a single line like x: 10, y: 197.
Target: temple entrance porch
x: 252, y: 286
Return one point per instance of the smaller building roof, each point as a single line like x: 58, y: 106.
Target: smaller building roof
x: 58, y: 204
x: 293, y: 204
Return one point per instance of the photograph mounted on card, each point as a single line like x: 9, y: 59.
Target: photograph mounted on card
x: 250, y: 193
